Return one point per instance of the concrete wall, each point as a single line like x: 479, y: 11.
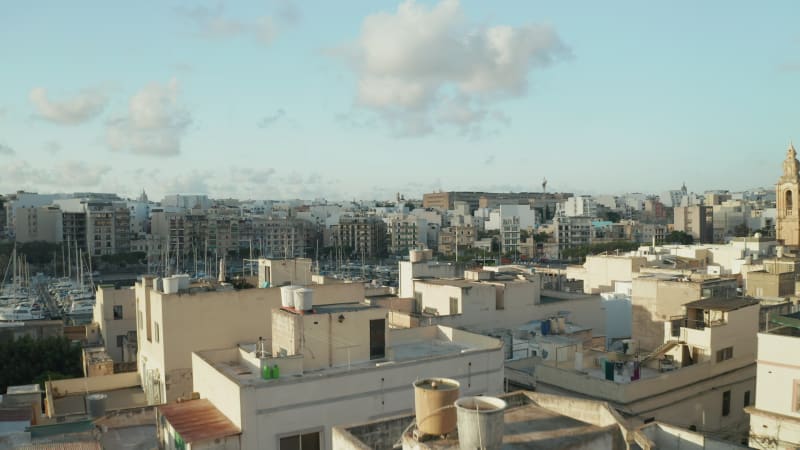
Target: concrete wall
x: 653, y: 302
x: 599, y: 273
x: 778, y: 371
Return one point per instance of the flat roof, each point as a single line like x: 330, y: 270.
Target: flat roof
x: 722, y: 303
x: 457, y: 282
x: 528, y: 425
x: 24, y: 389
x: 198, y: 420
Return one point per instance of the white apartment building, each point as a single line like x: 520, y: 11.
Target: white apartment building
x: 338, y: 364
x: 775, y: 417
x: 524, y: 214
x: 579, y: 206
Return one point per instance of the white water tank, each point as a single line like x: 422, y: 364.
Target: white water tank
x: 171, y: 285
x: 183, y: 281
x: 287, y: 296
x: 303, y: 299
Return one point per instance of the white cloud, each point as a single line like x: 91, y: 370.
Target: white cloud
x: 63, y: 174
x: 6, y: 150
x: 212, y: 23
x: 154, y: 123
x: 82, y: 107
x: 421, y: 67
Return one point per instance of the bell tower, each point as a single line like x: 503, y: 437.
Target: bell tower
x: 787, y: 192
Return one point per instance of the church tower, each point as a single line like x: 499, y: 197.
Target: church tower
x: 788, y: 200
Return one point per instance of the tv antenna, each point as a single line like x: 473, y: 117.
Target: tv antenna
x: 544, y: 185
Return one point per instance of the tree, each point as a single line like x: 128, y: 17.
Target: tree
x: 612, y: 216
x: 541, y: 237
x: 28, y: 361
x: 679, y: 237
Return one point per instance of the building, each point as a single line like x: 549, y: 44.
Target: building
x: 336, y: 365
x: 657, y: 298
x: 101, y: 227
x: 775, y: 416
x: 41, y: 223
x: 572, y: 232
x: 701, y: 379
x: 170, y: 325
x: 601, y: 273
x: 405, y: 232
x: 787, y: 192
x: 115, y: 316
x: 456, y: 238
x: 421, y: 266
x: 579, y: 206
x: 360, y: 236
x: 696, y: 221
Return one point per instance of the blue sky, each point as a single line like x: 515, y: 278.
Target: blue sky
x: 282, y: 99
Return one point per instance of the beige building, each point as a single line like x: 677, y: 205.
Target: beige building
x: 459, y: 237
x: 656, y: 298
x: 420, y: 265
x: 696, y: 221
x: 602, y: 272
x: 38, y: 224
x: 279, y: 272
x: 787, y: 192
x: 336, y: 370
x: 171, y: 325
x: 115, y: 316
x: 775, y: 417
x: 699, y: 380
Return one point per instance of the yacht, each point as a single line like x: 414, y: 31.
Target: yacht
x: 20, y: 312
x: 81, y: 308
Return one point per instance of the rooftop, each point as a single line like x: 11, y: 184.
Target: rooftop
x: 406, y: 345
x: 198, y: 420
x: 724, y: 304
x: 24, y: 389
x: 786, y: 325
x: 532, y: 421
x: 457, y: 282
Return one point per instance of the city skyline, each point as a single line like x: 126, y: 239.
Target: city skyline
x: 282, y: 99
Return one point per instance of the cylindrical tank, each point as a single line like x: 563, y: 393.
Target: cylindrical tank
x: 276, y: 371
x: 266, y: 372
x: 171, y: 285
x: 183, y: 281
x: 303, y: 299
x: 562, y: 325
x: 481, y: 422
x: 779, y: 251
x: 287, y: 296
x: 433, y: 405
x: 545, y: 327
x: 96, y: 405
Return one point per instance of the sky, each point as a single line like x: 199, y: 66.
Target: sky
x: 281, y: 99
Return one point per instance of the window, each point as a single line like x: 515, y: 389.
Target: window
x: 726, y: 403
x: 453, y: 305
x: 746, y: 398
x: 120, y: 340
x: 724, y: 354
x: 156, y: 332
x: 377, y: 339
x: 139, y: 318
x: 117, y: 312
x: 307, y: 441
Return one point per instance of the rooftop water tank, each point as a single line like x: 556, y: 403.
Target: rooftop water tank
x: 287, y: 296
x: 183, y: 281
x: 416, y: 256
x: 433, y: 405
x: 303, y: 299
x: 481, y: 422
x: 96, y: 405
x: 171, y: 285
